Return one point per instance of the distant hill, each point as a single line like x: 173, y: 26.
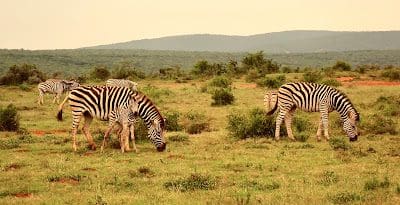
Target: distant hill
x: 300, y: 41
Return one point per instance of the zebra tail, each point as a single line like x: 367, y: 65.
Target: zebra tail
x: 60, y: 109
x: 273, y: 109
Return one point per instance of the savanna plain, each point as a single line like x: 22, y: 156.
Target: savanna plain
x: 39, y: 166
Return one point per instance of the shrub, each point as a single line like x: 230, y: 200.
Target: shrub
x: 100, y: 72
x: 378, y: 124
x: 221, y: 81
x: 329, y: 178
x: 388, y: 105
x: 9, y: 119
x: 301, y: 137
x: 344, y: 197
x: 22, y: 74
x: 341, y: 66
x: 191, y: 183
x: 301, y: 124
x: 195, y: 123
x: 331, y: 82
x: 272, y: 82
x: 9, y: 144
x: 256, y: 124
x: 172, y: 121
x: 126, y: 71
x: 24, y: 87
x: 179, y: 137
x: 339, y: 144
x: 222, y: 96
x: 392, y: 74
x: 375, y: 184
x: 312, y: 76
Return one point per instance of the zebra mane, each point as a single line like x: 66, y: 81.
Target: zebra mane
x: 143, y: 98
x: 348, y: 99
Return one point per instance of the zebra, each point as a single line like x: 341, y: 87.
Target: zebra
x: 122, y: 83
x: 100, y: 101
x: 56, y: 87
x: 126, y: 117
x: 312, y: 97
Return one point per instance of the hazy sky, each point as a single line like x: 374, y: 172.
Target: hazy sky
x: 51, y: 24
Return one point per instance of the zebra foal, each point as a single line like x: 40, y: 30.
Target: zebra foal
x: 57, y: 87
x: 125, y: 117
x: 312, y: 97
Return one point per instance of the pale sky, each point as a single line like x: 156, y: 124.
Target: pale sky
x: 56, y: 24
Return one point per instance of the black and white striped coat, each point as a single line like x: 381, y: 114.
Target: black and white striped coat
x: 312, y: 97
x: 122, y: 83
x: 125, y: 117
x: 57, y: 87
x: 99, y: 101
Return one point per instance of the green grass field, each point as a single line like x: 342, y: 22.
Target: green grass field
x: 208, y: 168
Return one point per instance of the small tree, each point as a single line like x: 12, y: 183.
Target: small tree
x: 9, y: 120
x: 342, y: 66
x: 25, y: 73
x: 100, y: 72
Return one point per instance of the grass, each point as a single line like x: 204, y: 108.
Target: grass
x: 226, y: 170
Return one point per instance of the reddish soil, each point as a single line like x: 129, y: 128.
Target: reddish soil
x: 89, y: 169
x: 23, y: 195
x: 43, y: 132
x: 348, y: 81
x: 12, y: 167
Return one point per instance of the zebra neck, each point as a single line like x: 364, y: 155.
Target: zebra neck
x: 342, y: 104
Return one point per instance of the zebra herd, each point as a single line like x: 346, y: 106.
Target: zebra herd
x: 120, y: 103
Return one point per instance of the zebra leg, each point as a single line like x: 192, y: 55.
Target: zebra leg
x: 75, y: 124
x: 107, y: 136
x: 279, y: 119
x: 319, y: 131
x: 88, y: 120
x: 126, y: 128
x: 324, y: 119
x: 40, y: 99
x: 288, y: 123
x: 132, y: 135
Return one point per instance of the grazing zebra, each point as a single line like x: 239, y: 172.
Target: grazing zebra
x: 311, y: 97
x: 126, y: 117
x: 56, y: 87
x: 122, y: 83
x: 100, y: 101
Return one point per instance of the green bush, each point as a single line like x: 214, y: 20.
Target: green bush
x: 374, y: 183
x: 301, y: 137
x: 127, y: 72
x: 9, y: 144
x: 172, y: 121
x: 331, y: 82
x: 191, y: 183
x: 222, y: 96
x: 24, y: 87
x: 344, y: 197
x: 312, y: 76
x: 100, y: 72
x: 341, y: 66
x: 378, y: 124
x: 339, y: 144
x: 388, y: 105
x: 18, y: 74
x: 271, y: 82
x: 221, y: 81
x: 9, y: 119
x: 329, y: 178
x: 392, y: 74
x: 195, y: 123
x: 255, y: 124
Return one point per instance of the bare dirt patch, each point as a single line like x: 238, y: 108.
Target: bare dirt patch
x: 175, y: 156
x: 13, y: 166
x: 68, y: 181
x: 89, y: 169
x: 43, y: 132
x: 23, y: 195
x: 349, y: 81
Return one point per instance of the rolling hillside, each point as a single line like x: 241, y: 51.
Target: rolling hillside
x: 277, y: 42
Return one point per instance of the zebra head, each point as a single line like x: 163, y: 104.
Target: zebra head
x: 156, y: 134
x: 350, y: 125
